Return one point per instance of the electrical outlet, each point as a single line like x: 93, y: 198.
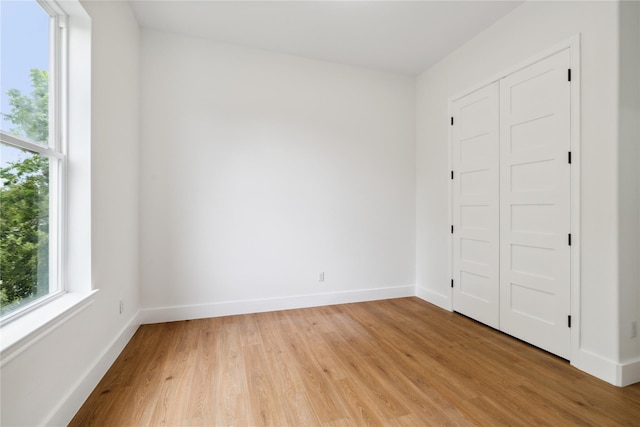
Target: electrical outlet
x: 121, y: 306
x: 634, y: 329
x: 321, y: 276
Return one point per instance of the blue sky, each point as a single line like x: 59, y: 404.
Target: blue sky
x: 24, y: 44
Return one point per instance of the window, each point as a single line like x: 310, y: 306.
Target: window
x: 32, y: 154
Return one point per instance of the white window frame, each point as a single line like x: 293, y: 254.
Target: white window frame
x: 56, y: 150
x: 77, y: 291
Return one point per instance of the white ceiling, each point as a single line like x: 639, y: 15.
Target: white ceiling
x: 398, y: 36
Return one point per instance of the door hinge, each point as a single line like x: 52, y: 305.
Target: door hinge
x: 451, y: 174
x: 451, y: 120
x: 569, y: 157
x: 452, y: 283
x: 452, y: 229
x: 569, y: 321
x: 569, y: 74
x: 569, y: 240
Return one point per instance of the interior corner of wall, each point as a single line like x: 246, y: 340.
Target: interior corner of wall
x: 435, y: 298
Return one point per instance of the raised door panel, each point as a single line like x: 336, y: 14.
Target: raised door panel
x: 534, y: 204
x: 475, y: 205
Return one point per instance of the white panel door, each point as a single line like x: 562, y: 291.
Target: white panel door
x: 535, y: 204
x: 475, y: 261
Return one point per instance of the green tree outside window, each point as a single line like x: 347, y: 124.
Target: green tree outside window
x: 24, y: 201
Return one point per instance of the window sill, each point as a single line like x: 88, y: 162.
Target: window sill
x: 25, y: 331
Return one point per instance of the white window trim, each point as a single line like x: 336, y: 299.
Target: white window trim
x: 52, y: 311
x: 28, y: 329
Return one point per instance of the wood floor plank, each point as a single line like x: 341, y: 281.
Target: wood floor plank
x: 230, y: 381
x: 286, y: 377
x: 372, y: 385
x: 397, y: 362
x: 318, y: 386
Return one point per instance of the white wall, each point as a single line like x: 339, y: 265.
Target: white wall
x: 259, y: 170
x: 530, y: 29
x: 629, y: 177
x: 48, y: 382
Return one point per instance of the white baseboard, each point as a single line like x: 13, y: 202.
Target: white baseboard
x: 69, y: 404
x: 629, y: 373
x: 229, y: 308
x: 596, y: 365
x: 435, y: 298
x: 618, y: 374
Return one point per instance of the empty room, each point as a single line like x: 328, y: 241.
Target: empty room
x: 316, y: 213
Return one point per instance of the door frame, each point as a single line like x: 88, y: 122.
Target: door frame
x: 573, y: 44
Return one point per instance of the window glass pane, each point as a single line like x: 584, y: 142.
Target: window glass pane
x: 24, y: 70
x: 24, y: 227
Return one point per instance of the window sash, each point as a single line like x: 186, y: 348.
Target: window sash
x: 25, y: 144
x: 56, y: 152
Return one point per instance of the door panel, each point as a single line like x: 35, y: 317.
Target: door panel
x: 475, y: 205
x: 534, y: 204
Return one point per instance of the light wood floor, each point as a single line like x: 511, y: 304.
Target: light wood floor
x: 393, y: 362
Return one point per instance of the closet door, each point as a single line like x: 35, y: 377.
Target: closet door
x: 534, y: 204
x: 475, y: 199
